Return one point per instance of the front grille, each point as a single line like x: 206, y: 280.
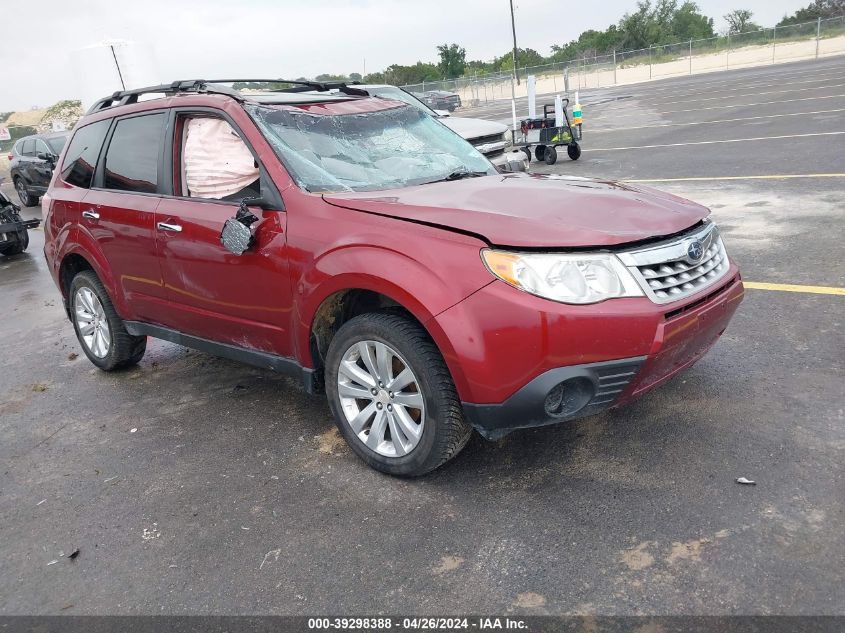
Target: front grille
x: 490, y: 138
x: 669, y: 271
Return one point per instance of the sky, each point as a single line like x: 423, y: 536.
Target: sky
x: 181, y: 39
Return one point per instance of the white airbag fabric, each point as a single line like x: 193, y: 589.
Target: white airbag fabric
x: 217, y: 162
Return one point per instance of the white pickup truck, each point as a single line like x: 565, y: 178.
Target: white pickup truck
x: 492, y: 139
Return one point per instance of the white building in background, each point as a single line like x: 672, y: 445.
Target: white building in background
x: 112, y: 65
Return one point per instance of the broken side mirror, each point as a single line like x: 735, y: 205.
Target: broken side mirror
x: 237, y: 235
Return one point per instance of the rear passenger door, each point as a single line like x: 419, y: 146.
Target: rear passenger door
x: 241, y: 300
x: 27, y: 156
x: 119, y: 212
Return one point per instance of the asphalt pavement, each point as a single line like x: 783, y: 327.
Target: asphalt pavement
x: 195, y: 485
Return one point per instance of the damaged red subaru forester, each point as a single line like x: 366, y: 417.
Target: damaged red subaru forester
x: 361, y: 245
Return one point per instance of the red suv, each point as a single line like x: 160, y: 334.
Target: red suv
x: 359, y: 244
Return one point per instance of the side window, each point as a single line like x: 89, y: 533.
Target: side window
x: 132, y: 158
x: 81, y: 156
x: 28, y: 148
x: 41, y: 148
x: 215, y: 162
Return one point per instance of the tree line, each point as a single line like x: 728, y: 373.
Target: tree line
x: 651, y: 24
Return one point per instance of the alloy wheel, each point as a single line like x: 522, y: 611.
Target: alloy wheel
x: 91, y: 322
x: 381, y: 399
x: 22, y: 193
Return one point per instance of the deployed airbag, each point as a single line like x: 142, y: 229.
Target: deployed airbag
x: 217, y: 162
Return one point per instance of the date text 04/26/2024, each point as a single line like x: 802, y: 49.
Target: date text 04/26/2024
x: 421, y: 623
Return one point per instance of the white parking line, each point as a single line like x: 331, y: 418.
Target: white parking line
x: 718, y: 178
x: 747, y: 118
x: 753, y: 94
x: 733, y: 140
x: 725, y: 106
x: 734, y: 77
x: 766, y: 85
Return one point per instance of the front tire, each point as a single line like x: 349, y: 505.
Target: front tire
x: 100, y: 330
x: 27, y: 199
x: 392, y: 396
x: 574, y: 151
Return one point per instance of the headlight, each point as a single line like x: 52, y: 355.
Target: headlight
x: 507, y: 137
x: 568, y: 278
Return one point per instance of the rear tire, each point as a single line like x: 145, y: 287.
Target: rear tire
x: 98, y: 327
x: 438, y: 430
x: 574, y: 151
x: 27, y: 199
x: 540, y: 152
x: 551, y: 155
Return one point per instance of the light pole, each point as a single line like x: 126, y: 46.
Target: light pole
x: 513, y: 28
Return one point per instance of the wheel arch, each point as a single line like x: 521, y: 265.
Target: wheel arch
x: 80, y: 259
x: 343, y: 304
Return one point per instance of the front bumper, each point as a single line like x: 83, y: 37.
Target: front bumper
x: 602, y: 355
x: 513, y: 160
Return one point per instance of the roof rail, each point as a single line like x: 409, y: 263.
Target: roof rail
x: 300, y: 85
x: 125, y: 97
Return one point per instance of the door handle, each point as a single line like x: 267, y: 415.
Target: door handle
x: 91, y: 215
x: 164, y: 226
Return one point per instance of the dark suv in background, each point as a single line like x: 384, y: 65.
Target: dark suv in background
x: 33, y: 160
x: 440, y: 100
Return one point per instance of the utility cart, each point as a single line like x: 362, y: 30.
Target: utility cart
x: 545, y: 137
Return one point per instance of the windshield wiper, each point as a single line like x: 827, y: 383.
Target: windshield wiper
x: 458, y: 174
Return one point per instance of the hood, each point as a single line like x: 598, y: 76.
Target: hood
x: 535, y: 211
x: 473, y: 128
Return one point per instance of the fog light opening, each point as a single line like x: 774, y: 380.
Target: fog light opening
x: 569, y: 397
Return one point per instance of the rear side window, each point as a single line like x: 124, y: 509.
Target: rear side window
x: 81, y: 156
x: 132, y: 159
x: 28, y: 147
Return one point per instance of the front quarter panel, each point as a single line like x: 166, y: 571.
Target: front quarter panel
x: 424, y: 269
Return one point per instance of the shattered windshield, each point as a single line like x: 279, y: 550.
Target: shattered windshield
x: 385, y: 149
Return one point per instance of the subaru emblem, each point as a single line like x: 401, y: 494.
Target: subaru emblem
x: 695, y: 250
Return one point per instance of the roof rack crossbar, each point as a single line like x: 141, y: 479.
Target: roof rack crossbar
x: 125, y: 97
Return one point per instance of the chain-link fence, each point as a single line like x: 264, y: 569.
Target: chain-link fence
x: 809, y: 40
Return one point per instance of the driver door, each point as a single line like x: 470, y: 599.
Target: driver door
x: 241, y: 300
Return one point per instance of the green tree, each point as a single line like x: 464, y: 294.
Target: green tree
x: 689, y: 23
x: 452, y: 60
x: 639, y: 28
x: 399, y: 75
x: 815, y: 10
x: 739, y: 21
x: 330, y: 77
x: 525, y: 58
x: 355, y: 77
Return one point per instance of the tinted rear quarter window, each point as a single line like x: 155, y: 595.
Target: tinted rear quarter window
x: 28, y: 148
x: 81, y: 155
x: 132, y: 159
